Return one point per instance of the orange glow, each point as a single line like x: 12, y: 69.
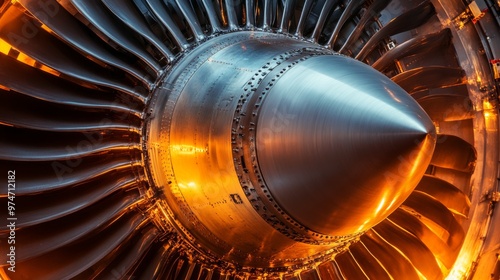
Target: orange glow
x: 22, y: 57
x: 487, y: 105
x: 46, y: 28
x: 187, y: 149
x: 3, y: 274
x: 4, y: 47
x: 190, y: 185
x: 26, y: 59
x: 380, y: 206
x: 461, y: 267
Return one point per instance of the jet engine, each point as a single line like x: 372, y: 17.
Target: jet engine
x: 249, y: 139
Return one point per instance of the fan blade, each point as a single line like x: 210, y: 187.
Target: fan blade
x: 42, y: 238
x: 372, y: 268
x: 414, y: 79
x: 60, y: 174
x: 346, y: 14
x: 437, y: 217
x: 68, y: 29
x: 212, y: 17
x: 306, y: 9
x: 50, y: 88
x: 102, y: 19
x: 411, y: 247
x: 425, y: 43
x: 446, y: 193
x: 56, y: 264
x: 349, y: 268
x: 288, y: 10
x: 368, y: 15
x: 40, y: 46
x: 129, y: 15
x: 124, y: 265
x: 325, y: 11
x: 454, y: 153
x: 164, y: 17
x: 404, y: 22
x: 446, y: 104
x: 398, y: 266
x: 192, y: 20
x: 55, y: 117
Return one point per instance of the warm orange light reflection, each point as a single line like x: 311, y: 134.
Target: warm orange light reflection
x: 380, y: 206
x: 462, y: 265
x: 4, y: 47
x: 22, y: 57
x: 487, y: 105
x: 187, y: 149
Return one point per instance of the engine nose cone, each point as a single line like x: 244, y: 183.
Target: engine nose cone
x: 274, y: 152
x: 340, y: 146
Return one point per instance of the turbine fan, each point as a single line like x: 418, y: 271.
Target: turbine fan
x: 79, y: 84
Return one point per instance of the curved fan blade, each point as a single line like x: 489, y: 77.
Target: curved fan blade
x: 422, y: 44
x: 330, y: 270
x: 101, y: 19
x: 367, y: 17
x: 162, y: 14
x: 411, y: 247
x: 46, y: 177
x: 446, y: 193
x: 45, y: 237
x: 125, y: 264
x: 56, y: 264
x: 446, y: 104
x: 155, y: 268
x: 50, y: 88
x: 68, y: 29
x: 398, y: 266
x: 19, y: 148
x: 404, y: 22
x: 193, y: 22
x: 55, y: 118
x: 437, y: 217
x: 129, y: 15
x: 67, y: 61
x: 346, y: 14
x: 325, y: 12
x: 90, y: 193
x: 444, y: 252
x: 414, y: 79
x: 286, y: 18
x: 454, y: 153
x: 303, y: 16
x: 213, y: 17
x: 349, y: 268
x: 372, y: 267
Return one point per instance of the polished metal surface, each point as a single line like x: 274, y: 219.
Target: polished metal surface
x: 194, y: 137
x: 318, y: 143
x: 304, y: 148
x: 216, y: 139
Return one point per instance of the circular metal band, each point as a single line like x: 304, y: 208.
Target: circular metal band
x: 167, y: 94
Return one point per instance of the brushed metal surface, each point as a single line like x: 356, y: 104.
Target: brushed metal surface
x: 311, y: 124
x: 192, y: 139
x: 342, y: 146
